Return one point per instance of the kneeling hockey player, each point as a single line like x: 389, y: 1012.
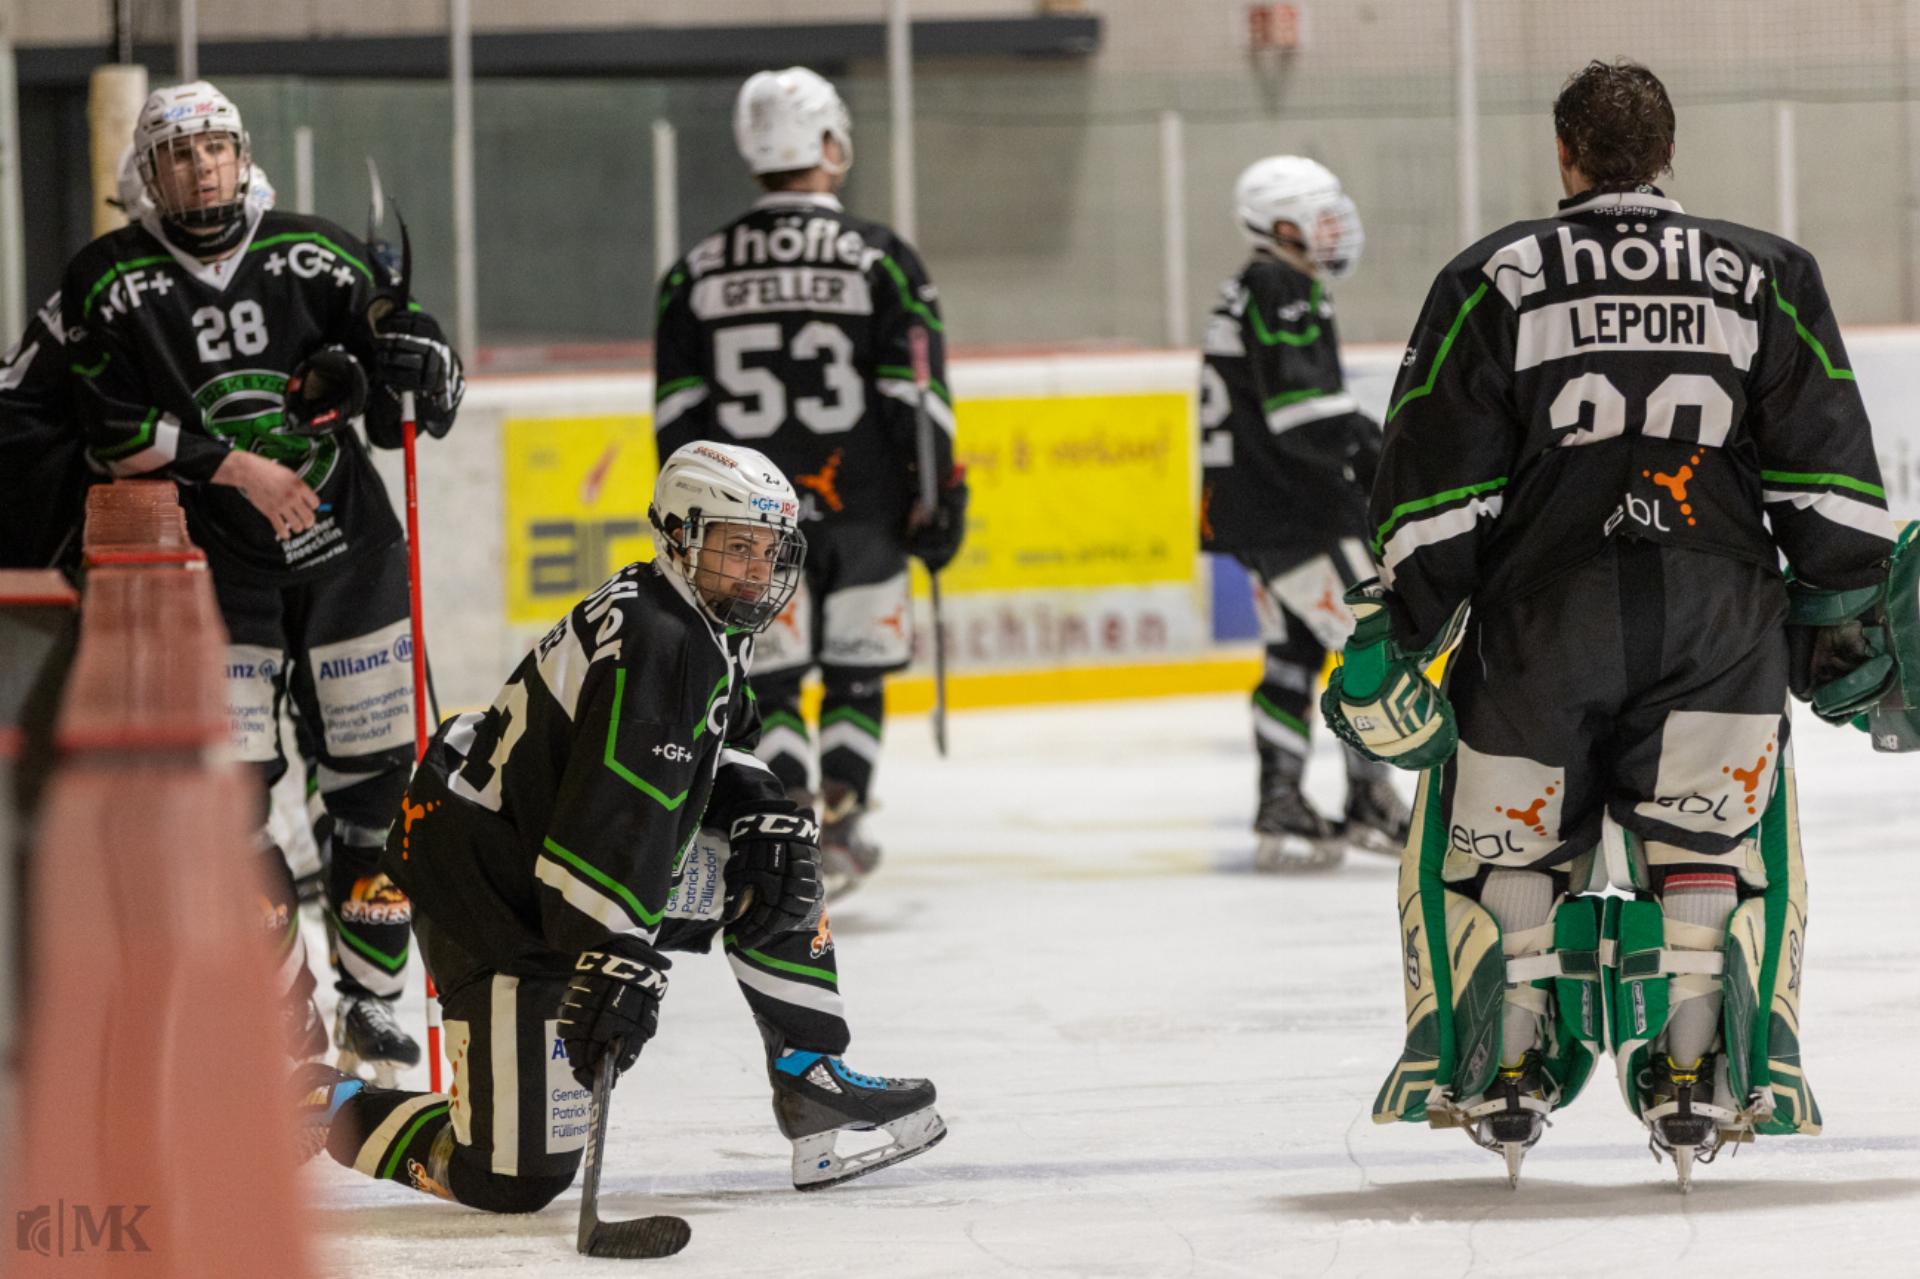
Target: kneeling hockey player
x: 1287, y: 457
x: 553, y: 847
x: 1609, y: 427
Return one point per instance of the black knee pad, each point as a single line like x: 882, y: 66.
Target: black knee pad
x: 374, y: 799
x: 476, y: 1186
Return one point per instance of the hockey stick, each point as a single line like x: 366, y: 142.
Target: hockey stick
x: 642, y: 1237
x: 416, y: 622
x: 929, y: 498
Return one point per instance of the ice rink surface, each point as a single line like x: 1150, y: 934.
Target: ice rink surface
x: 1154, y: 1062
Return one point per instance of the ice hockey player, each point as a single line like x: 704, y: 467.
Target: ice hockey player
x: 1286, y: 460
x: 553, y: 847
x: 788, y: 329
x: 231, y: 348
x: 1609, y: 427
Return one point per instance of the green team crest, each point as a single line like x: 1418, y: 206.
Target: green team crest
x: 247, y: 409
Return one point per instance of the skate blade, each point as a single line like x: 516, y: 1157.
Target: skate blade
x: 1365, y: 839
x: 1296, y: 854
x: 1515, y: 1152
x: 386, y: 1074
x: 816, y: 1166
x: 1683, y: 1168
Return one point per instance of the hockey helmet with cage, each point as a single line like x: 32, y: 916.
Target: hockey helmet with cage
x: 131, y: 188
x: 705, y: 492
x: 1292, y: 188
x: 171, y: 122
x: 781, y: 118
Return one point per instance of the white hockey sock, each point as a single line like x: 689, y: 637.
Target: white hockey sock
x: 1521, y: 902
x: 1696, y: 905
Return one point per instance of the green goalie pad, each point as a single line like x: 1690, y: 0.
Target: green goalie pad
x: 1455, y: 973
x: 1894, y: 722
x: 1759, y: 972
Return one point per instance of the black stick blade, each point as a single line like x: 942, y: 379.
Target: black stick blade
x: 642, y: 1238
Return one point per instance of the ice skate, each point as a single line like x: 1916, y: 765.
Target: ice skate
x: 366, y: 1032
x: 1512, y: 1114
x: 846, y: 856
x: 1685, y: 1117
x: 1376, y: 819
x: 816, y: 1097
x: 319, y: 1091
x: 1293, y: 836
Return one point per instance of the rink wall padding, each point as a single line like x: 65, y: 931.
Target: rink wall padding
x: 1082, y: 551
x: 151, y: 1130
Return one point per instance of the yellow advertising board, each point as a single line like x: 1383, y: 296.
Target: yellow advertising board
x: 1083, y: 491
x: 1080, y: 492
x: 576, y: 507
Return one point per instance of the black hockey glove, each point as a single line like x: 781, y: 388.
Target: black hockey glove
x: 612, y: 1005
x: 410, y: 353
x: 937, y: 540
x: 773, y: 876
x: 325, y: 393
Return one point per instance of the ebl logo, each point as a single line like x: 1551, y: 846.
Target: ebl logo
x: 568, y: 558
x: 62, y: 1229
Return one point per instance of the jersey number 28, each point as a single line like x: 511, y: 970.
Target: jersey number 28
x: 759, y: 405
x: 249, y: 331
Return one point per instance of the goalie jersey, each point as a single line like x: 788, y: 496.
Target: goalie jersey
x: 1623, y: 369
x: 1285, y: 452
x: 787, y: 330
x: 562, y: 813
x: 178, y: 362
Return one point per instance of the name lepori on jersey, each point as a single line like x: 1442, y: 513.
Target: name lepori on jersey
x: 1689, y: 319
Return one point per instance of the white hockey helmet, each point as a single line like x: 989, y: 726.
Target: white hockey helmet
x: 131, y: 188
x: 705, y: 493
x: 781, y: 118
x: 1292, y: 188
x: 170, y: 122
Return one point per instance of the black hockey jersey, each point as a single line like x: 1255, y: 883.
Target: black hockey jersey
x: 181, y: 361
x: 576, y: 795
x: 1285, y: 452
x: 43, y: 469
x: 787, y: 331
x: 1623, y: 369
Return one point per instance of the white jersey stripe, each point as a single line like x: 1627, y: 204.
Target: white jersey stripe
x: 1851, y: 512
x: 1430, y: 529
x: 1313, y: 410
x: 797, y: 993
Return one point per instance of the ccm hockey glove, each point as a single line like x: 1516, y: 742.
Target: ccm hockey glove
x: 773, y: 877
x: 612, y: 1005
x: 410, y: 353
x: 1379, y: 700
x: 325, y: 393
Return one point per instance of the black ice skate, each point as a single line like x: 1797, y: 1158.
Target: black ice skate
x: 319, y: 1091
x: 1376, y: 820
x: 1293, y: 836
x: 366, y: 1032
x: 846, y: 856
x: 815, y: 1097
x: 1684, y: 1114
x: 1512, y: 1114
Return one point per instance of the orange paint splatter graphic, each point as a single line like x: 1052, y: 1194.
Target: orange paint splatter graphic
x: 824, y: 482
x: 410, y: 813
x: 1530, y: 815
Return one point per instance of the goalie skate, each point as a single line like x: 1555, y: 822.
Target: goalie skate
x: 1512, y: 1115
x: 816, y: 1098
x: 1685, y: 1120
